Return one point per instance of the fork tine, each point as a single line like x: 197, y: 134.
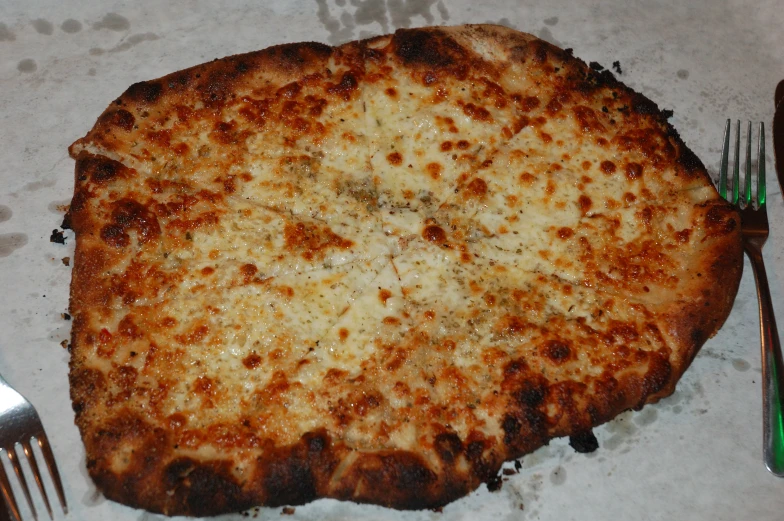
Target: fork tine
x: 736, y: 167
x: 43, y: 443
x: 8, y: 493
x: 747, y: 200
x: 28, y: 450
x: 22, y: 481
x: 725, y: 153
x: 761, y: 167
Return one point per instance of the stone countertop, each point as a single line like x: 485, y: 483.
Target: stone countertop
x: 695, y: 455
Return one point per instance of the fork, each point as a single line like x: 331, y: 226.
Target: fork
x: 754, y: 232
x: 19, y: 423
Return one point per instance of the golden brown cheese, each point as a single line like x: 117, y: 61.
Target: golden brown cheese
x: 376, y: 272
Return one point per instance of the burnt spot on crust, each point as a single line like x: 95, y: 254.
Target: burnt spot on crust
x: 348, y: 84
x: 584, y: 442
x: 537, y: 50
x: 204, y: 488
x: 179, y: 81
x: 144, y: 92
x: 644, y: 106
x: 405, y: 478
x: 690, y: 162
x: 296, y: 54
x: 216, y: 85
x: 530, y: 394
x: 132, y: 214
x: 100, y: 169
x: 448, y: 446
x: 483, y: 464
x: 511, y: 426
x: 525, y: 424
x: 556, y: 351
x: 597, y: 80
x: 121, y: 119
x: 128, y: 214
x: 698, y: 336
x: 114, y: 235
x: 316, y: 442
x: 289, y: 481
x: 427, y: 48
x: 720, y: 219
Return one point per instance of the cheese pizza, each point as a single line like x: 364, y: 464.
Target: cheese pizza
x: 377, y: 271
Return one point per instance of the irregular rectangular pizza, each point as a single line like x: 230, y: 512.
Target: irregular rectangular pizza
x: 377, y: 271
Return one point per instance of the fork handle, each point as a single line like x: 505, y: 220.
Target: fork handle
x: 772, y: 369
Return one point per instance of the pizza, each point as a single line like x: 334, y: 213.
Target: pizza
x: 376, y: 272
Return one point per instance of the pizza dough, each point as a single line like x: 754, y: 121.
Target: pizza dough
x: 375, y: 272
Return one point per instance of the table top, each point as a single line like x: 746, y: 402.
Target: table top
x: 696, y: 455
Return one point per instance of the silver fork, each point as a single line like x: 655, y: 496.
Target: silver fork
x: 19, y: 423
x: 754, y: 231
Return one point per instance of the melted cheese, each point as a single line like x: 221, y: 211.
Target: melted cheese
x: 380, y: 251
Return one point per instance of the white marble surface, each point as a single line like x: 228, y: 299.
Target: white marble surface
x: 697, y: 455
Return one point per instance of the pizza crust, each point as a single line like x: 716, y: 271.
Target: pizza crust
x: 150, y: 202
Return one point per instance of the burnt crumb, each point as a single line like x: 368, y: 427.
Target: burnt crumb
x: 616, y: 65
x: 66, y: 316
x: 287, y: 511
x: 494, y: 484
x: 65, y: 345
x: 584, y: 442
x: 596, y: 66
x: 569, y: 51
x: 605, y: 110
x: 667, y: 113
x: 518, y: 465
x: 57, y: 237
x: 66, y: 222
x: 66, y: 261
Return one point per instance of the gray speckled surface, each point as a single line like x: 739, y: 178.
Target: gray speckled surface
x: 696, y: 455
